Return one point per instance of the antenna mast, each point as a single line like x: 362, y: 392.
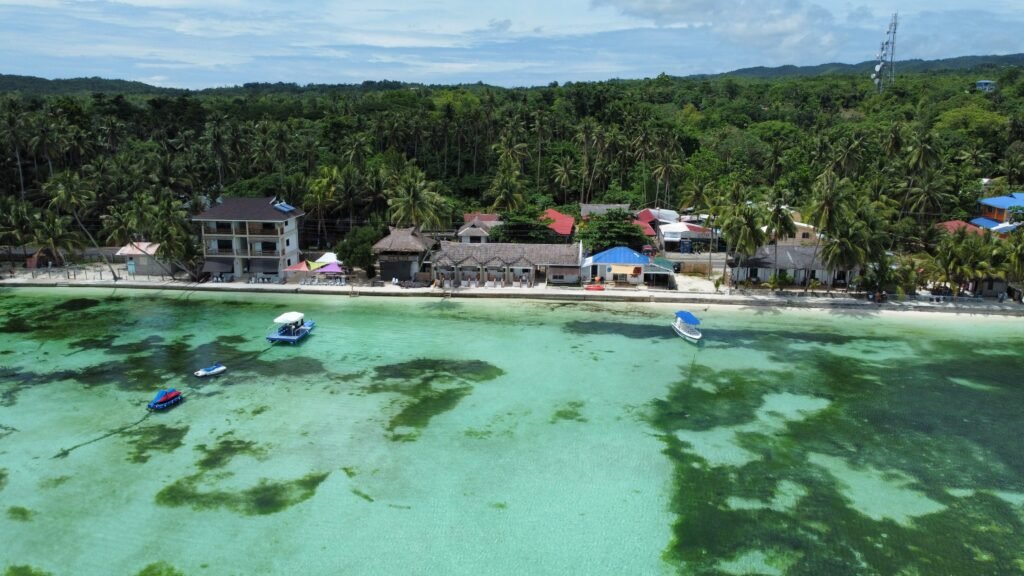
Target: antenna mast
x: 885, y: 70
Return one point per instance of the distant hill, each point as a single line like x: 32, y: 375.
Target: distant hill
x: 43, y: 87
x: 961, y: 63
x: 31, y: 85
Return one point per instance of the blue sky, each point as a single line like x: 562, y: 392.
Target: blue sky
x: 204, y: 43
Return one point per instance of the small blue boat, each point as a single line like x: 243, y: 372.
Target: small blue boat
x: 164, y: 399
x: 291, y: 327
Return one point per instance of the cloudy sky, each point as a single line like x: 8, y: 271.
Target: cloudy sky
x: 203, y: 43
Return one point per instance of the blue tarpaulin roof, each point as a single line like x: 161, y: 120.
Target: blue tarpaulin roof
x: 1004, y: 202
x: 687, y: 317
x: 620, y: 255
x: 985, y: 222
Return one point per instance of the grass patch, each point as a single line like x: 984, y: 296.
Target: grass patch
x: 20, y: 514
x: 157, y: 438
x: 569, y: 411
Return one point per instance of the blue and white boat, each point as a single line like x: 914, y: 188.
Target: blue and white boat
x: 291, y: 327
x: 685, y: 325
x: 165, y: 399
x: 217, y: 368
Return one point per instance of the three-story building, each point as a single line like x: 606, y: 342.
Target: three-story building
x: 250, y: 236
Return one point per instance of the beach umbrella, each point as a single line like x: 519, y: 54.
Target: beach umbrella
x: 331, y: 268
x: 687, y: 317
x: 327, y: 258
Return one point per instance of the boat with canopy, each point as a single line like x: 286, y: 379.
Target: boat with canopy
x: 290, y: 327
x: 685, y: 325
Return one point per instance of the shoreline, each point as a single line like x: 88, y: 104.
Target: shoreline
x: 840, y: 301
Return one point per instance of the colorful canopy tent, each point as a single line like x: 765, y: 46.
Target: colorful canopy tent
x: 332, y: 268
x: 327, y: 258
x: 302, y: 266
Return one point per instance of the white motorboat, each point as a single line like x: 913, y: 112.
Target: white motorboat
x: 217, y: 368
x: 685, y: 325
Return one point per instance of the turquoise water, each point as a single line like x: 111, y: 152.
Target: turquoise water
x: 428, y: 436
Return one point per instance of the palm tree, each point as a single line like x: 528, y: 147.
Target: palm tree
x: 846, y: 247
x: 320, y: 199
x: 357, y: 148
x: 828, y: 202
x: 69, y: 193
x: 922, y: 153
x: 53, y: 231
x: 349, y: 187
x: 507, y: 188
x: 928, y: 194
x: 415, y: 201
x: 779, y: 225
x: 742, y: 228
x: 563, y: 171
x: 12, y: 126
x: 665, y: 167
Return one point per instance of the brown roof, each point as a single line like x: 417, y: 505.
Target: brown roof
x: 482, y: 216
x: 500, y: 253
x: 406, y: 240
x: 478, y: 227
x: 249, y: 210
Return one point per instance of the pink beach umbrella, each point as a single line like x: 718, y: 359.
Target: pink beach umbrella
x: 331, y: 268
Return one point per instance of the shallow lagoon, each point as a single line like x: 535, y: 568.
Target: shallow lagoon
x: 429, y: 436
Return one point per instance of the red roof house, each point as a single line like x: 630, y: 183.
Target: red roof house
x: 561, y: 224
x: 951, y: 226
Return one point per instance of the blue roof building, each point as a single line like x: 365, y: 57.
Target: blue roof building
x: 996, y: 210
x: 985, y: 85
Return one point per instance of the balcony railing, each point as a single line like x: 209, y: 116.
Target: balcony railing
x: 220, y: 251
x: 276, y: 253
x: 263, y: 231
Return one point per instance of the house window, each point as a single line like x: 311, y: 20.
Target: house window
x: 287, y: 241
x: 805, y: 235
x: 288, y: 262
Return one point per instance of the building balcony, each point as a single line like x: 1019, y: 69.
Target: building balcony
x: 264, y: 231
x: 267, y: 253
x: 220, y: 251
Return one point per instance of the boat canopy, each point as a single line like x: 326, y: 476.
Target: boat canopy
x: 289, y: 317
x: 687, y: 317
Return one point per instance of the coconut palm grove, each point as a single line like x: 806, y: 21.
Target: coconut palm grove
x: 104, y: 162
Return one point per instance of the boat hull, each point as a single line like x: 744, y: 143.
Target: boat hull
x: 284, y: 334
x: 210, y: 371
x: 166, y: 399
x: 688, y: 333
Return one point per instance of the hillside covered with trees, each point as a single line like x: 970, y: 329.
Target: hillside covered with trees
x: 874, y: 172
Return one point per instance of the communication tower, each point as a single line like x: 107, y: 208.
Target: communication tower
x: 885, y: 70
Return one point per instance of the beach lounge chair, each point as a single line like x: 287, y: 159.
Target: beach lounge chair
x: 489, y: 284
x: 464, y: 284
x: 473, y: 284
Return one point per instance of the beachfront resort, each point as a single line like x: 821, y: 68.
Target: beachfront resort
x: 710, y: 326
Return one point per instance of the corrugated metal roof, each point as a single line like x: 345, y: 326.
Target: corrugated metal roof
x: 248, y: 210
x: 1004, y: 202
x: 561, y: 224
x: 620, y: 255
x: 985, y: 222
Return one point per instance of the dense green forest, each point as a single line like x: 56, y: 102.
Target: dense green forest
x: 874, y: 172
